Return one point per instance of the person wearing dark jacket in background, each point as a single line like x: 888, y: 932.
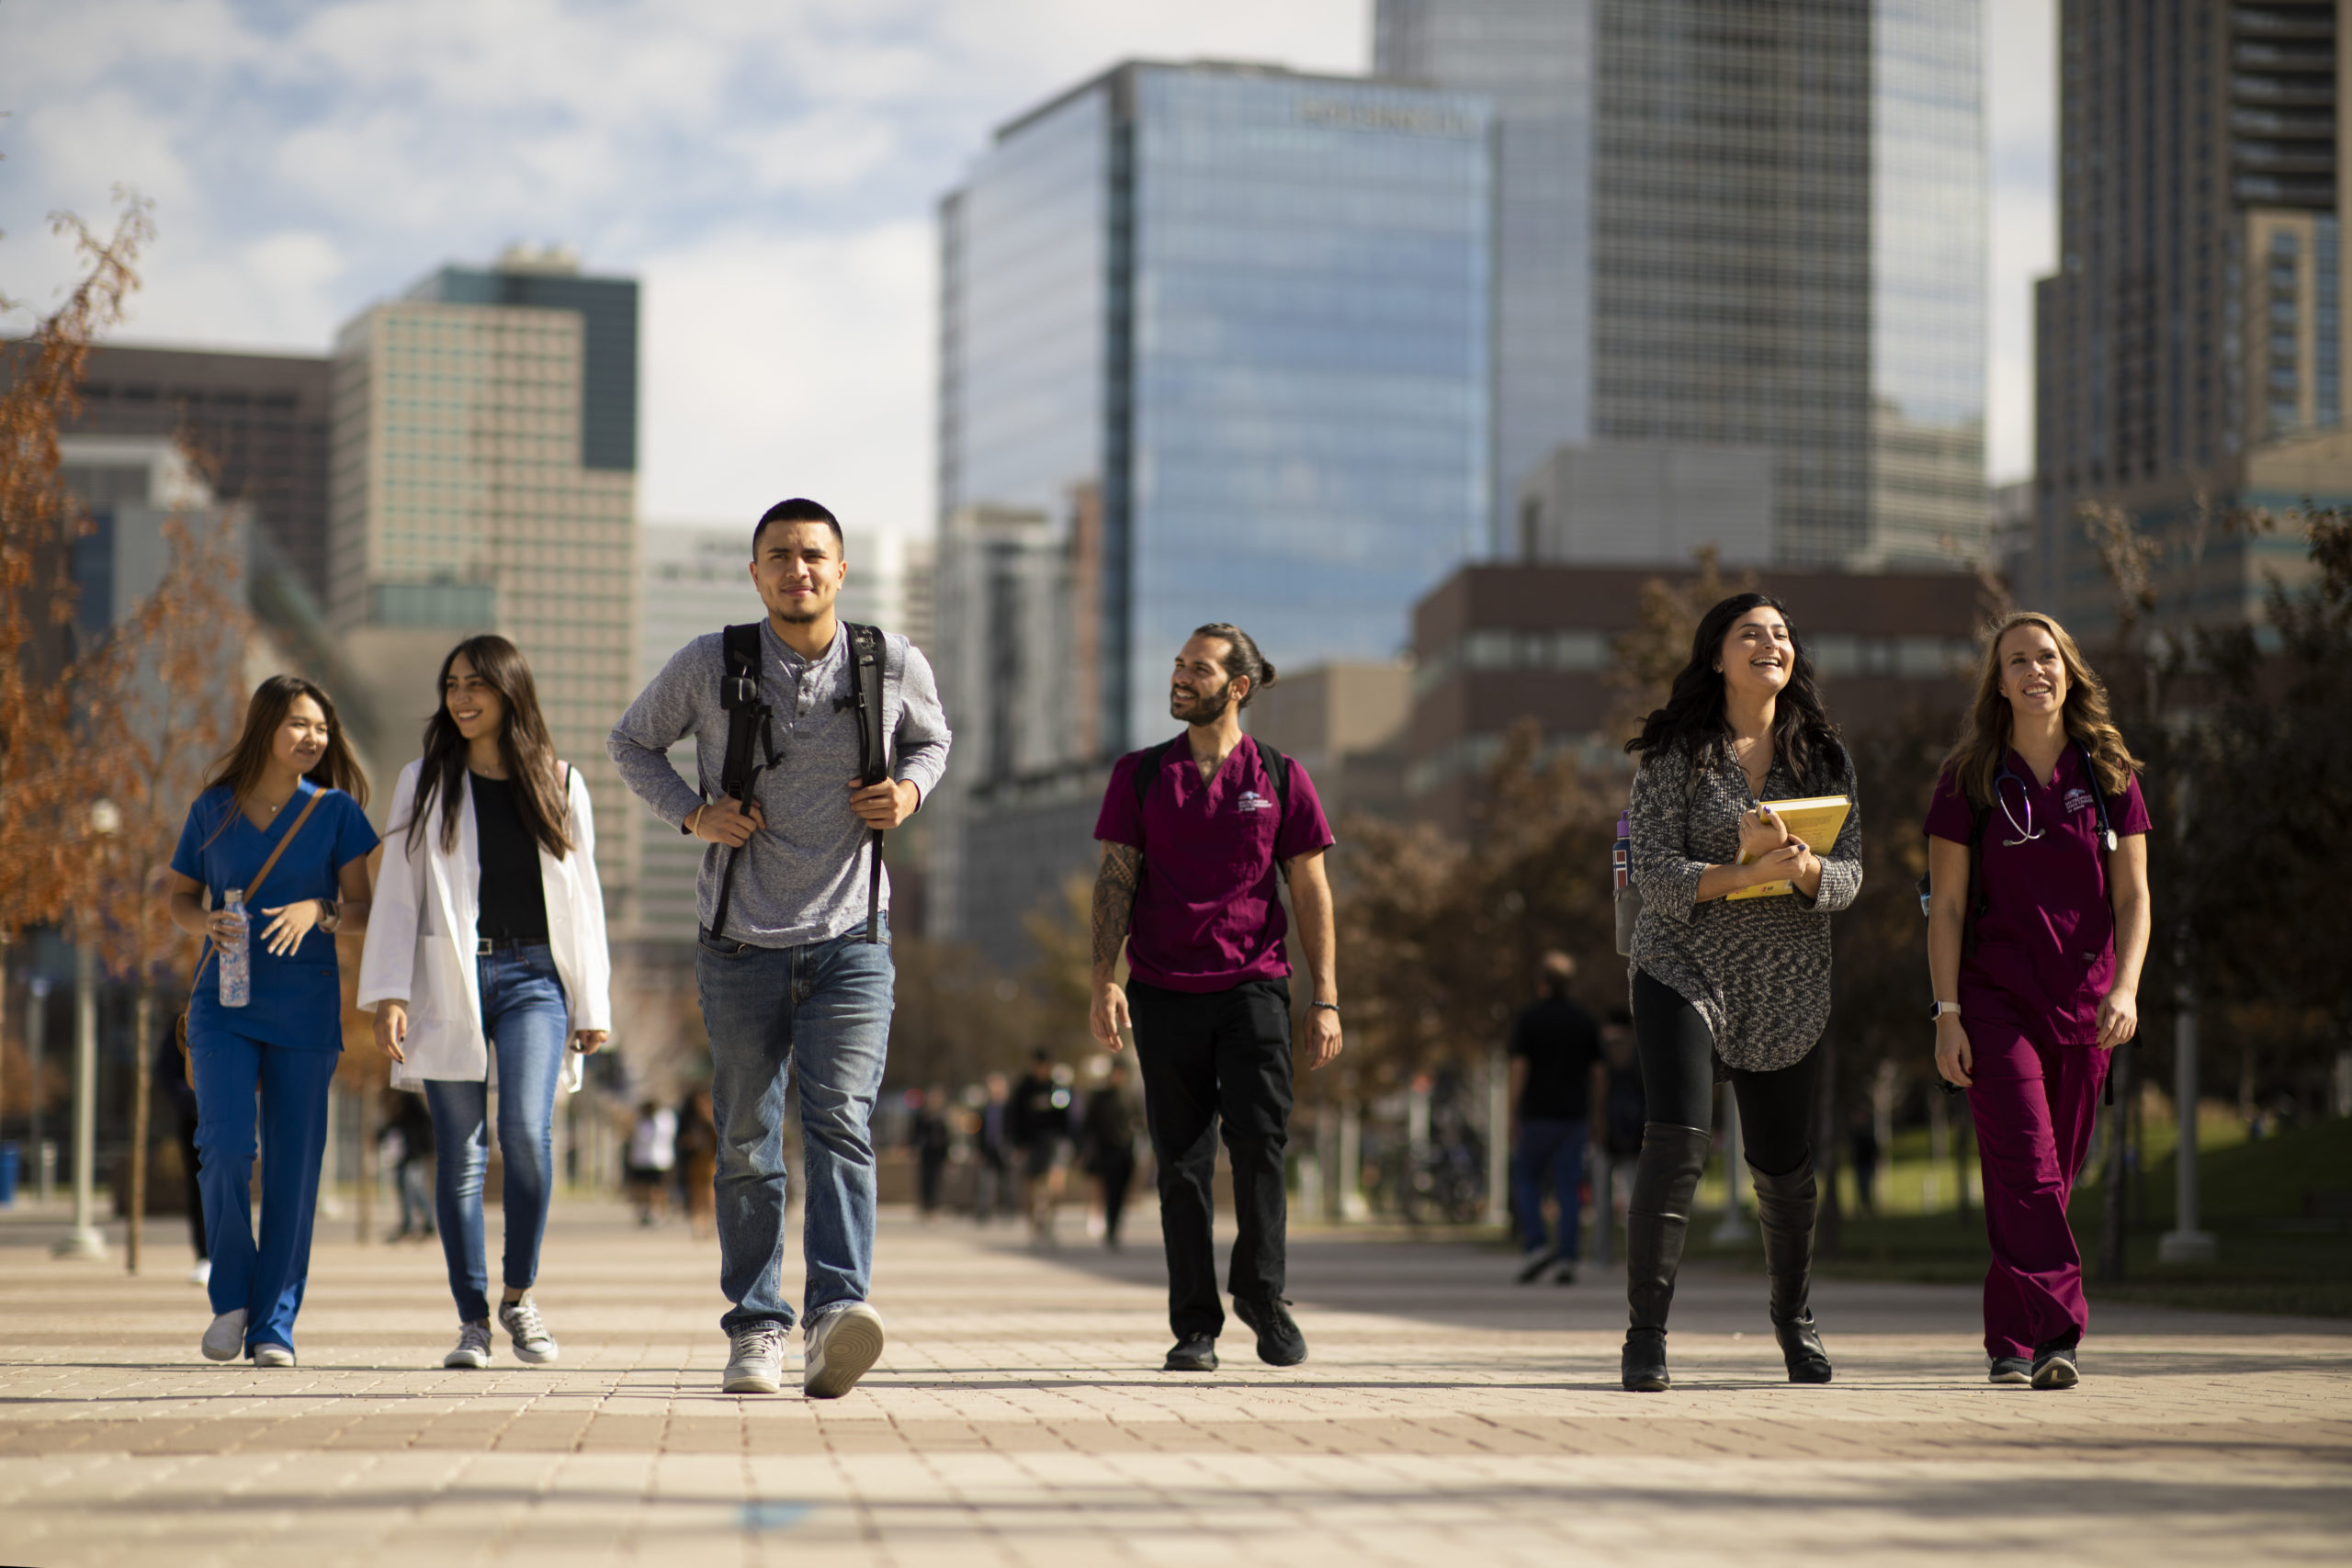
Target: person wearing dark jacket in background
x: 1039, y: 1124
x: 1108, y: 1137
x: 413, y: 1120
x: 171, y: 1083
x: 927, y: 1135
x: 1557, y: 1089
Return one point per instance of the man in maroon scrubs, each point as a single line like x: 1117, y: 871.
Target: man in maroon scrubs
x: 1192, y: 831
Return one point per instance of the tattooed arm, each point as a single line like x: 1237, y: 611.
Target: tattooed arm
x: 1114, y: 905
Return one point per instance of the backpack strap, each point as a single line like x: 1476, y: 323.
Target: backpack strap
x: 747, y: 725
x: 1277, y: 768
x: 2098, y: 799
x: 1148, y: 761
x: 869, y: 654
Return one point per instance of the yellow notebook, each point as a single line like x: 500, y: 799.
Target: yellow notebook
x: 1816, y: 820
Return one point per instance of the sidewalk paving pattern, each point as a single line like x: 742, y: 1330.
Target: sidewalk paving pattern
x: 1444, y: 1415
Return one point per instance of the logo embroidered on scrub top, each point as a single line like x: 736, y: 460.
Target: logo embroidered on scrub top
x: 1252, y: 801
x: 2077, y: 799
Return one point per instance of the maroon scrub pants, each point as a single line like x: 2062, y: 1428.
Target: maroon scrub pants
x: 2033, y: 1101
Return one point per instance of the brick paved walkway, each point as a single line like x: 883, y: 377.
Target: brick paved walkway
x: 1446, y: 1417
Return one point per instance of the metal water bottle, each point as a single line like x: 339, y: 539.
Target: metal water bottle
x: 236, y: 959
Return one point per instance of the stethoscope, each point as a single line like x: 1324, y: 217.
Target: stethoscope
x: 2027, y: 832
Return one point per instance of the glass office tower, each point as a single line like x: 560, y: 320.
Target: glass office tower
x: 1227, y: 327
x: 1746, y: 226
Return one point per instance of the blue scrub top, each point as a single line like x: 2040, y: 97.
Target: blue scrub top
x: 297, y: 999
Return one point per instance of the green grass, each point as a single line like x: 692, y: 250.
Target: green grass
x: 2275, y: 1207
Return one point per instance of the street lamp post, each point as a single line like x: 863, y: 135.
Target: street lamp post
x: 36, y: 1039
x: 2185, y: 1243
x: 84, y: 1240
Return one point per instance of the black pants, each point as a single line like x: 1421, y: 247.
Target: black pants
x: 195, y: 1192
x: 931, y: 1164
x: 1206, y: 1058
x: 1678, y: 1053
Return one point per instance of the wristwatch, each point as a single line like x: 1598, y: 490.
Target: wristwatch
x: 330, y: 916
x: 1333, y: 1006
x: 1936, y: 1013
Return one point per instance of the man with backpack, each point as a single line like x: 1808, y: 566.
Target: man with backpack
x: 813, y: 737
x: 1193, y: 830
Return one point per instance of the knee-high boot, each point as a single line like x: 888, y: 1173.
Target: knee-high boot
x: 1666, y: 1178
x: 1785, y: 1206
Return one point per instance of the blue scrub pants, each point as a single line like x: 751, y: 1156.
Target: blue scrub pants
x: 1550, y: 1153
x: 228, y: 1069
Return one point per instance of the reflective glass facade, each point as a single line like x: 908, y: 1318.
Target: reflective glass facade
x: 1227, y: 328
x: 1533, y: 60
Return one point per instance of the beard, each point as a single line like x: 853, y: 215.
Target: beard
x: 1203, y: 708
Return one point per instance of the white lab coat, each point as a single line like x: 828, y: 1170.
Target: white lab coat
x: 420, y: 942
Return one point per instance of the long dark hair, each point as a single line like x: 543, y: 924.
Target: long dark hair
x: 242, y: 766
x: 1242, y: 659
x: 1692, y: 721
x: 522, y: 745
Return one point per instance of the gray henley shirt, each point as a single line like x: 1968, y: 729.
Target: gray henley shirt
x: 802, y: 878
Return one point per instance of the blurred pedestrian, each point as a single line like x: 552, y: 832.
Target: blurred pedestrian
x: 1041, y: 1129
x: 281, y: 818
x: 1197, y: 833
x: 991, y: 1141
x: 697, y: 1161
x: 2037, y: 928
x: 1735, y: 987
x: 652, y: 1155
x: 814, y: 736
x: 1862, y: 1151
x: 179, y: 1098
x: 1557, y: 1089
x: 490, y: 938
x: 410, y: 1123
x: 1622, y: 1120
x: 928, y: 1134
x: 1108, y: 1135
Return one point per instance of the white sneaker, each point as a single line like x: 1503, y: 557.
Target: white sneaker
x: 756, y: 1359
x: 844, y: 1343
x: 225, y: 1340
x: 273, y: 1355
x: 202, y: 1273
x: 473, y: 1346
x: 533, y: 1343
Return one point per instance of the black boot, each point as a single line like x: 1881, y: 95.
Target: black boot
x: 1665, y: 1177
x: 1785, y: 1206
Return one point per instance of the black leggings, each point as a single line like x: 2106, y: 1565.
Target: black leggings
x: 1678, y: 1053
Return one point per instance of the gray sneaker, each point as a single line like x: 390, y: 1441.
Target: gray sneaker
x: 473, y: 1346
x: 755, y: 1358
x: 533, y: 1343
x: 225, y: 1340
x: 843, y: 1343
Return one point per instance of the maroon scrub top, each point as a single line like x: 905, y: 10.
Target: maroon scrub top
x: 1208, y: 914
x: 2045, y: 943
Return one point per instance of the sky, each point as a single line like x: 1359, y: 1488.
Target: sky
x: 769, y: 169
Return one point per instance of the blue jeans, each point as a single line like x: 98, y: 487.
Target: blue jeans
x: 819, y: 1014
x: 1554, y: 1152
x: 267, y: 1280
x: 523, y: 1011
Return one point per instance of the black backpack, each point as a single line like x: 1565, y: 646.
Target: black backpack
x: 1151, y: 758
x: 749, y: 720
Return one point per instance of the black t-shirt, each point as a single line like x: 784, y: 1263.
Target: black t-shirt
x: 1561, y: 1043
x: 513, y: 905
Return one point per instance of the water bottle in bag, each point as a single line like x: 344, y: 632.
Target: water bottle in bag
x: 236, y: 959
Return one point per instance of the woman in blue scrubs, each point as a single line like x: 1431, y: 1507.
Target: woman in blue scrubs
x: 282, y: 1046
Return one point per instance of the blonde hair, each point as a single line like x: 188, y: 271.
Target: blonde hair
x: 1976, y: 760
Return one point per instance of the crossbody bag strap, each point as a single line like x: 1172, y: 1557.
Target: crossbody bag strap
x: 251, y: 888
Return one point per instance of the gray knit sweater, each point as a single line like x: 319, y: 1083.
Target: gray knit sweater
x: 1757, y: 970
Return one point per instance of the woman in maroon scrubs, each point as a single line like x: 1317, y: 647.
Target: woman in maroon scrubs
x: 2037, y: 970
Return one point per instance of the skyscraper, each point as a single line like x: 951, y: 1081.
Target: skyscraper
x: 484, y: 480
x: 2189, y: 350
x: 1737, y: 224
x: 1223, y: 331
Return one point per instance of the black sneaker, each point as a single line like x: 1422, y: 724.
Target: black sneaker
x: 1280, y: 1344
x: 1193, y: 1353
x: 2010, y: 1371
x: 2054, y: 1367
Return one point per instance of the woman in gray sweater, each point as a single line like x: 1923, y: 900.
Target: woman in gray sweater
x: 1739, y: 989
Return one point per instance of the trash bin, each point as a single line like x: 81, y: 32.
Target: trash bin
x: 8, y: 1158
